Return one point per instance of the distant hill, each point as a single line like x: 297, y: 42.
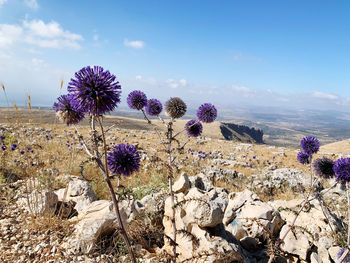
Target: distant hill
x: 337, y: 147
x: 241, y: 133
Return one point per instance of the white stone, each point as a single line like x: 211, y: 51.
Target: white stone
x: 296, y: 242
x: 39, y: 202
x: 97, y: 220
x: 333, y: 252
x: 198, y: 212
x: 182, y: 184
x: 315, y: 258
x: 247, y: 218
x: 78, y: 191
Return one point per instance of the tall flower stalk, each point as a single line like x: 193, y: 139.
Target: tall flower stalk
x: 342, y: 175
x: 310, y: 145
x: 94, y: 92
x: 175, y: 108
x: 170, y: 178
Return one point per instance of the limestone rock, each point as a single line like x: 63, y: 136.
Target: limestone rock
x: 202, y: 182
x: 282, y: 178
x: 315, y: 258
x: 311, y: 221
x: 333, y: 252
x: 201, y: 210
x: 182, y: 184
x: 296, y: 242
x: 98, y: 220
x: 78, y: 191
x: 248, y: 218
x: 40, y: 202
x: 198, y: 217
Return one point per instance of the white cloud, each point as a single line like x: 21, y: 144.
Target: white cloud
x: 322, y: 95
x: 183, y: 82
x: 242, y: 90
x: 95, y: 37
x: 39, y: 33
x: 37, y: 62
x: 138, y: 77
x: 33, y: 4
x: 134, y: 44
x: 174, y: 84
x: 2, y: 2
x: 9, y: 34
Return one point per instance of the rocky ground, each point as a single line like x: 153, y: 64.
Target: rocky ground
x: 233, y: 202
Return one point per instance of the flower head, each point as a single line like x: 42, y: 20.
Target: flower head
x: 154, y: 107
x: 175, y: 108
x: 3, y: 147
x: 310, y: 145
x: 66, y: 110
x: 303, y: 158
x: 341, y: 252
x: 323, y: 167
x: 137, y: 100
x: 193, y: 128
x: 342, y: 170
x: 2, y: 137
x: 95, y: 91
x: 207, y: 113
x: 124, y: 159
x: 13, y: 147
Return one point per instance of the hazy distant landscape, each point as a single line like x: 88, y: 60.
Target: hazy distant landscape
x: 280, y: 127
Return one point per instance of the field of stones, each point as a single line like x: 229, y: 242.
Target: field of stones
x: 233, y: 201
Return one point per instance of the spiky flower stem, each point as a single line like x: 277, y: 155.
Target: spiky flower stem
x: 170, y: 138
x: 325, y: 211
x: 114, y: 199
x: 172, y: 202
x: 346, y: 252
x: 104, y: 168
x: 303, y: 204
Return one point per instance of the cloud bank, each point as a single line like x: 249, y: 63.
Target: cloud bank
x: 38, y: 33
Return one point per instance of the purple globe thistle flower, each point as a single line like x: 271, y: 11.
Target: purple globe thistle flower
x: 13, y: 147
x: 175, y: 108
x: 137, y: 100
x: 66, y: 110
x: 341, y: 252
x: 303, y: 158
x: 342, y: 170
x: 2, y: 137
x: 310, y: 145
x: 193, y: 128
x: 124, y: 159
x: 323, y: 167
x: 207, y: 113
x: 95, y: 91
x: 3, y: 147
x: 154, y: 107
x: 23, y: 151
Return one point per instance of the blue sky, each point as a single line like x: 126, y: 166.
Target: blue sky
x: 280, y: 53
